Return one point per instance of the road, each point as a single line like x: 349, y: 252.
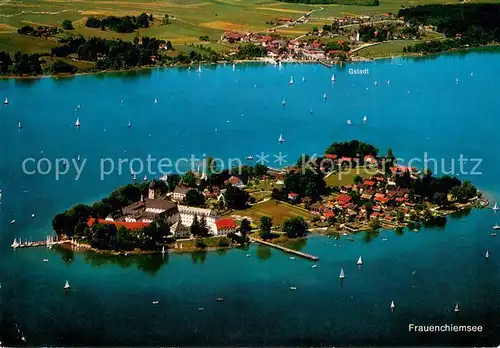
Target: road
x: 296, y: 22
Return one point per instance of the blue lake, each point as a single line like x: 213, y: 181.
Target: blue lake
x: 422, y: 110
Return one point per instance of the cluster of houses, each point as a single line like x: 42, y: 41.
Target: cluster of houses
x: 179, y: 217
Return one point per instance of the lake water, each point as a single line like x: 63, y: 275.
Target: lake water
x: 423, y: 109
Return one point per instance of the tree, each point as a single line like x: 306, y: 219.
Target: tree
x: 265, y: 227
x: 295, y: 227
x: 236, y: 198
x: 199, y: 227
x: 189, y: 179
x: 67, y: 25
x: 260, y: 170
x: 169, y: 46
x: 194, y: 198
x: 358, y: 179
x: 245, y: 227
x: 440, y: 198
x: 166, y: 19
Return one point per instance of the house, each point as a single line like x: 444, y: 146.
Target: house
x: 233, y: 36
x: 146, y: 210
x: 285, y: 20
x: 369, y: 183
x: 370, y: 160
x: 180, y: 193
x: 179, y: 230
x: 316, y: 207
x: 343, y: 199
x: 187, y: 215
x: 293, y: 196
x: 235, y: 181
x: 225, y: 226
x: 328, y: 214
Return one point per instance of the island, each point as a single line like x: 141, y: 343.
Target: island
x: 349, y: 189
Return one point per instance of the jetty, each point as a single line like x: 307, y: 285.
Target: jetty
x: 49, y: 242
x: 325, y: 62
x: 286, y: 250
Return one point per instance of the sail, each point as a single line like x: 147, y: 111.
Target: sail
x: 325, y: 96
x: 487, y: 254
x: 333, y: 78
x: 365, y: 119
x: 77, y: 123
x: 393, y: 305
x: 360, y: 261
x: 457, y: 309
x: 291, y: 80
x: 281, y: 139
x: 342, y: 274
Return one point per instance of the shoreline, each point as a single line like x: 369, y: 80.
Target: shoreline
x: 261, y: 60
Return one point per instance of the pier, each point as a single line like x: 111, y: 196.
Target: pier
x: 43, y: 243
x: 325, y: 63
x: 286, y: 250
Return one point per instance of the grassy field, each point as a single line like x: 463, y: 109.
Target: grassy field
x: 347, y: 177
x: 278, y: 211
x: 192, y: 18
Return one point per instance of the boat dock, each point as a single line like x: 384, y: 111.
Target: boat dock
x: 325, y: 63
x: 286, y: 250
x: 43, y: 243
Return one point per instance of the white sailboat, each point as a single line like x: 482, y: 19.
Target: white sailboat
x: 388, y: 82
x: 249, y: 157
x: 281, y: 140
x: 15, y: 244
x: 375, y: 83
x: 6, y: 101
x: 303, y: 79
x: 134, y: 177
x: 348, y: 122
x: 360, y: 261
x: 314, y: 266
x: 234, y: 67
x: 283, y: 102
x: 365, y: 119
x: 67, y: 286
x: 496, y: 226
x: 199, y: 68
x: 457, y: 80
x: 495, y: 207
x: 342, y: 274
x: 156, y: 100
x: 77, y: 123
x: 332, y: 79
x: 129, y: 124
x: 393, y: 306
x: 293, y: 288
x: 325, y: 96
x: 145, y: 177
x: 12, y: 222
x: 456, y: 309
x: 486, y: 254
x: 291, y: 80
x: 163, y: 250
x: 19, y: 125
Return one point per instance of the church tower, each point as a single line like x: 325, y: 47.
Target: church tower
x: 151, y: 190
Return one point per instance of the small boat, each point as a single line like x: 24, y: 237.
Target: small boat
x: 134, y: 177
x: 486, y: 254
x: 375, y: 83
x: 45, y: 260
x: 281, y: 140
x: 32, y: 216
x: 199, y: 68
x: 201, y: 309
x: 77, y: 123
x: 349, y: 122
x: 12, y: 222
x: 471, y: 74
x: 293, y: 288
x: 129, y: 124
x: 360, y: 261
x: 283, y: 102
x: 388, y: 82
x: 145, y: 177
x: 365, y: 119
x: 156, y: 100
x: 393, y: 306
x: 456, y: 309
x: 6, y: 101
x: 496, y: 227
x: 19, y: 125
x: 219, y: 299
x: 292, y: 258
x: 495, y: 207
x: 325, y: 96
x: 384, y: 239
x: 314, y: 266
x: 248, y: 255
x: 216, y: 129
x: 15, y: 244
x: 342, y: 274
x: 249, y: 157
x: 303, y: 79
x: 291, y: 80
x: 163, y: 251
x: 457, y: 81
x: 234, y: 67
x: 78, y: 158
x: 493, y: 234
x: 155, y: 302
x: 67, y: 286
x: 332, y: 79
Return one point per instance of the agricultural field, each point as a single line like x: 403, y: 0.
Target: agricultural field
x: 346, y: 177
x: 278, y: 211
x: 190, y: 19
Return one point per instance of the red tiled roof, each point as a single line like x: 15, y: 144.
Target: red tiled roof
x: 369, y: 183
x: 346, y: 159
x: 127, y: 225
x: 382, y: 199
x: 225, y: 224
x: 343, y: 199
x: 234, y: 180
x: 293, y: 194
x: 329, y: 214
x: 330, y: 156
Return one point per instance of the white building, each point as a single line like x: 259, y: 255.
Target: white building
x: 187, y: 215
x: 180, y: 193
